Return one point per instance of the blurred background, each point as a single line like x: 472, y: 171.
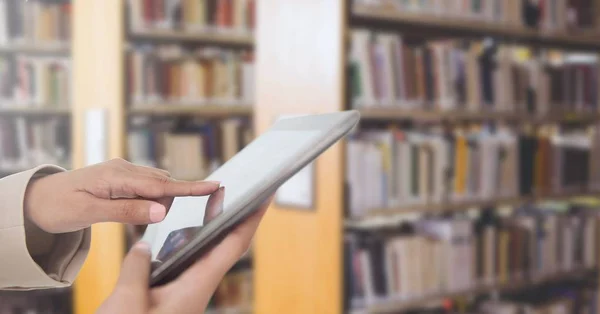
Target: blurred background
x: 470, y: 185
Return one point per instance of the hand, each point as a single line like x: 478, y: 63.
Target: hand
x: 192, y: 290
x: 115, y: 191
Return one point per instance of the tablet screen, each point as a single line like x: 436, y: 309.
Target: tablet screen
x: 243, y: 175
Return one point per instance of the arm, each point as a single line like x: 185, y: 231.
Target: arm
x: 30, y: 257
x: 46, y: 214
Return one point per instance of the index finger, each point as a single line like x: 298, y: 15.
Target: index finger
x: 159, y: 187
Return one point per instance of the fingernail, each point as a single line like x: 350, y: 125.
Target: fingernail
x: 157, y: 213
x: 218, y: 183
x: 142, y: 246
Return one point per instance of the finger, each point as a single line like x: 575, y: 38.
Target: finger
x: 135, y: 272
x: 133, y: 282
x: 212, y: 267
x: 154, y: 188
x: 214, y: 205
x: 131, y: 211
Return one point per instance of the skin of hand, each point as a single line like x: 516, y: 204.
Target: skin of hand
x: 192, y: 290
x: 112, y: 191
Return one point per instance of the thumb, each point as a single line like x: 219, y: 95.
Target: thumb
x: 131, y: 294
x: 135, y: 272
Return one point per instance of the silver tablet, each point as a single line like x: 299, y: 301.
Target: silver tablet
x: 248, y: 179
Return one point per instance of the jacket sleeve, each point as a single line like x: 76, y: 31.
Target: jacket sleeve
x: 31, y: 258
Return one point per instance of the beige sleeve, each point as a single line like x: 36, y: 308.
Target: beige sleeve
x: 31, y: 258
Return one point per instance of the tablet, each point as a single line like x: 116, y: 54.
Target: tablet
x: 247, y: 180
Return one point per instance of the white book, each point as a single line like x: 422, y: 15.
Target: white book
x: 388, y: 83
x: 360, y: 56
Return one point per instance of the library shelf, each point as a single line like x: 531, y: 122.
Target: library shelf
x: 221, y: 38
x: 34, y: 110
x: 510, y: 285
x: 205, y: 110
x: 389, y: 217
x: 36, y: 48
x: 434, y: 116
x: 369, y: 15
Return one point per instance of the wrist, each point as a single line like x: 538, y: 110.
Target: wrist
x: 32, y: 203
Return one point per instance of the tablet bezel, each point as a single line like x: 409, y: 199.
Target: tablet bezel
x: 333, y: 127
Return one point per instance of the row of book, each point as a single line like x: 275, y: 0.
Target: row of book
x: 545, y: 15
x: 577, y: 300
x: 35, y: 81
x: 394, y: 168
x: 193, y: 15
x: 391, y: 70
x: 25, y: 143
x: 175, y: 75
x: 35, y: 21
x: 53, y: 301
x: 564, y: 297
x: 431, y: 256
x: 189, y: 150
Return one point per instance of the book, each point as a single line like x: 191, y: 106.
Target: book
x: 233, y: 16
x: 35, y: 22
x: 175, y: 75
x: 438, y: 255
x: 543, y: 15
x: 35, y: 81
x: 189, y: 150
x: 26, y: 143
x: 445, y: 75
x: 395, y: 168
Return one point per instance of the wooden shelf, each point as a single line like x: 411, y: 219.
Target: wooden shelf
x: 512, y: 286
x: 365, y: 15
x: 394, y: 114
x: 37, y: 48
x: 212, y: 111
x: 35, y: 111
x: 388, y: 217
x: 215, y: 38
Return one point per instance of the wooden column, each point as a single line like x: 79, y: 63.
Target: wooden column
x: 98, y: 83
x: 300, y: 70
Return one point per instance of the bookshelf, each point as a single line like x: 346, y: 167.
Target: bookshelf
x: 35, y: 120
x: 395, y: 306
x: 317, y: 80
x: 424, y: 116
x: 435, y: 25
x: 107, y: 75
x: 205, y: 110
x: 213, y: 38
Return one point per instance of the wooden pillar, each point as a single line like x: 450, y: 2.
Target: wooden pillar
x: 98, y: 83
x: 300, y: 70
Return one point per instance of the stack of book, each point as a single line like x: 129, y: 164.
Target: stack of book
x: 35, y: 81
x: 188, y: 150
x: 477, y: 76
x: 52, y: 301
x: 193, y: 15
x: 190, y: 77
x: 394, y: 168
x: 35, y: 22
x: 438, y: 256
x: 546, y: 15
x: 26, y: 143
